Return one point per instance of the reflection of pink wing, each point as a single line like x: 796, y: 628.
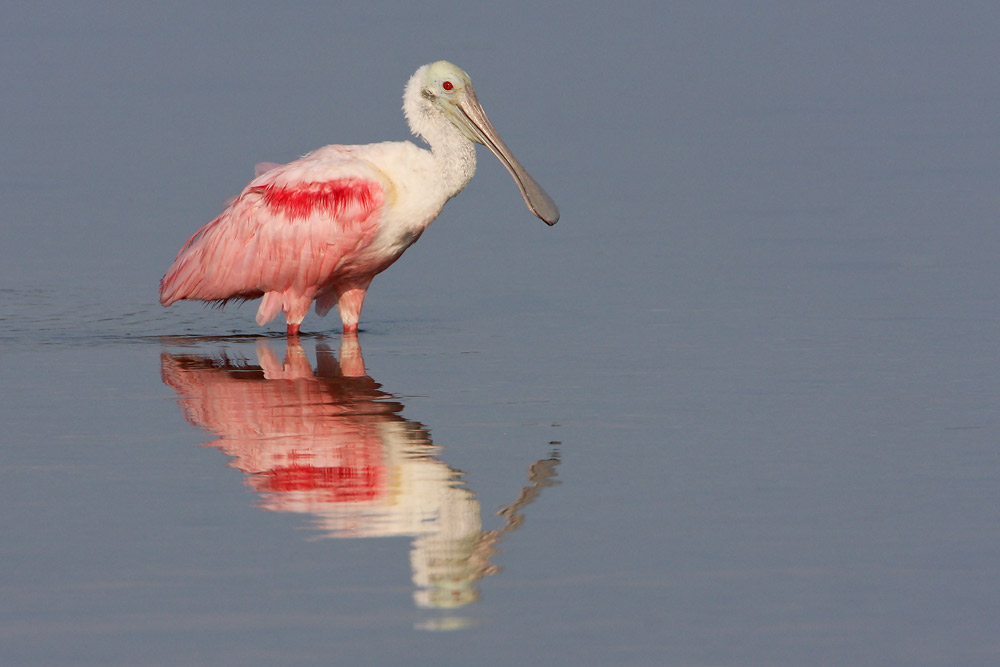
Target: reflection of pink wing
x: 310, y: 440
x: 355, y: 481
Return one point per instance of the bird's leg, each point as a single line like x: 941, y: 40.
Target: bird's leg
x: 349, y: 302
x: 296, y: 305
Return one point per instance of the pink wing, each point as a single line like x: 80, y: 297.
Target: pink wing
x: 262, y: 168
x: 294, y: 230
x: 258, y: 169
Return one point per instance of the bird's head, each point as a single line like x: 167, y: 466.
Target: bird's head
x: 444, y: 88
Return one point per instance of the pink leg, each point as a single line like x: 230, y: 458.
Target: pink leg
x: 296, y: 305
x: 349, y: 304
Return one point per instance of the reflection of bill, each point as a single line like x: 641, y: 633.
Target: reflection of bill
x: 333, y: 445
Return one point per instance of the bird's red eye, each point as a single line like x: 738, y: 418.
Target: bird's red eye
x: 447, y: 85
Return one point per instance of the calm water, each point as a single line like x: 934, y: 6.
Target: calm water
x: 739, y: 407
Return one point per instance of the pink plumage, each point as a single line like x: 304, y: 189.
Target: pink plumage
x: 321, y: 227
x: 288, y: 239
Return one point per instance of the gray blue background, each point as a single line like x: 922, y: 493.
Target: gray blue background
x: 765, y: 332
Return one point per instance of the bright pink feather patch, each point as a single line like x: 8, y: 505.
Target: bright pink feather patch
x: 329, y: 197
x: 334, y: 484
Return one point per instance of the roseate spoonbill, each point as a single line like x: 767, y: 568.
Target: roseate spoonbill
x: 321, y: 227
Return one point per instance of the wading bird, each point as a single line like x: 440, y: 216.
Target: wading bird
x: 321, y: 227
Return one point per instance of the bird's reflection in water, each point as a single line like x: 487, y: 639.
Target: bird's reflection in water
x: 333, y: 445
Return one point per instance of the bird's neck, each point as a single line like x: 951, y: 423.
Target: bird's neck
x: 455, y: 156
